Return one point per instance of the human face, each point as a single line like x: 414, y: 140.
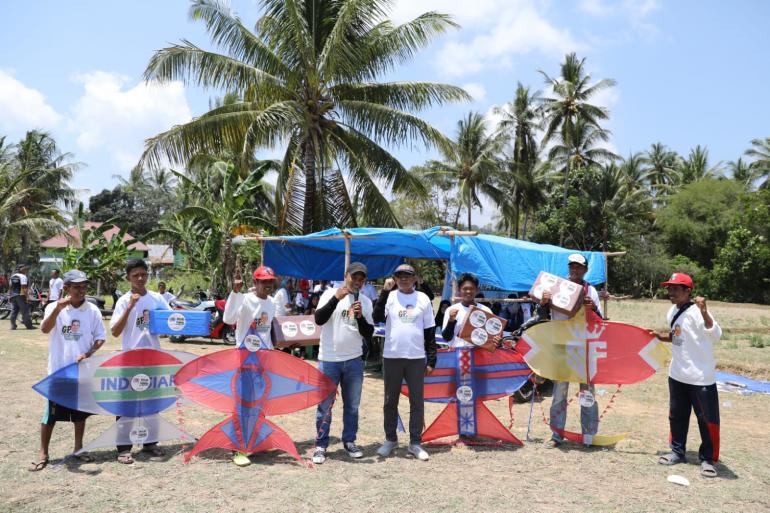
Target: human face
x: 678, y: 294
x: 76, y: 291
x: 576, y: 272
x: 355, y: 281
x: 468, y: 291
x: 137, y: 277
x: 161, y: 287
x: 405, y: 282
x: 263, y: 288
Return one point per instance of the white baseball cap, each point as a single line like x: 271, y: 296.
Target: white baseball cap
x: 577, y: 258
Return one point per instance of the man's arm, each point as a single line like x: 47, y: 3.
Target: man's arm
x: 325, y: 310
x: 379, y: 307
x: 50, y: 320
x: 430, y: 347
x: 117, y: 328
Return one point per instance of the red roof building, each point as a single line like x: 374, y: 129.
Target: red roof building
x: 61, y: 240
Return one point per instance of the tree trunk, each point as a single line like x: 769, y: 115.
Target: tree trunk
x: 308, y: 163
x: 516, y: 220
x: 470, y: 207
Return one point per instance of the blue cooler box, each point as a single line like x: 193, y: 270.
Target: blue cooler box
x: 180, y: 322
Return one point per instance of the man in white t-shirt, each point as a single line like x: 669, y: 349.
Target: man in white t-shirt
x: 410, y: 339
x: 168, y: 296
x: 282, y: 298
x: 589, y: 409
x: 131, y: 321
x: 692, y: 374
x: 55, y: 286
x: 75, y: 331
x: 242, y: 308
x: 346, y: 319
x: 454, y: 317
x: 369, y: 291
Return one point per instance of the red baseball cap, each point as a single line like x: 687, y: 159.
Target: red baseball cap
x: 263, y: 272
x: 679, y: 279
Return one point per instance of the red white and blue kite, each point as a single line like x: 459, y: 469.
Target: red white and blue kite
x: 465, y: 378
x: 250, y: 385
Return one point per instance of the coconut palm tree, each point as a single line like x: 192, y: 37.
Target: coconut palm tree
x: 761, y: 154
x: 472, y: 160
x: 664, y: 168
x: 307, y: 78
x: 568, y: 104
x: 578, y: 147
x: 697, y: 167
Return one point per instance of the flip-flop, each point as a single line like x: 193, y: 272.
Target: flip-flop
x: 671, y: 458
x: 154, y: 451
x: 707, y: 469
x: 125, y: 458
x: 37, y: 466
x: 85, y: 458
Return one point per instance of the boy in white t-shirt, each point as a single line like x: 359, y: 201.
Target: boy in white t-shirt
x: 75, y: 331
x: 168, y: 296
x: 410, y: 339
x: 454, y: 317
x: 242, y: 308
x: 131, y: 321
x: 692, y: 374
x: 345, y: 316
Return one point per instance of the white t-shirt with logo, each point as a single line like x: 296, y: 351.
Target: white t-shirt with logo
x: 75, y: 331
x: 281, y: 299
x: 240, y: 310
x: 462, y: 312
x: 261, y: 320
x: 136, y: 333
x: 692, y: 347
x: 55, y: 286
x: 406, y: 318
x: 340, y: 339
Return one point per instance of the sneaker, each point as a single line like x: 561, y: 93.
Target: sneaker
x: 551, y: 443
x: 241, y: 459
x: 387, y: 448
x: 353, y: 450
x: 319, y: 456
x: 418, y: 452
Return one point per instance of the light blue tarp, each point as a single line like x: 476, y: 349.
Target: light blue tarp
x: 510, y: 264
x: 321, y: 255
x: 506, y: 264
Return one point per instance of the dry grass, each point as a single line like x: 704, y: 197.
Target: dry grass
x: 625, y: 478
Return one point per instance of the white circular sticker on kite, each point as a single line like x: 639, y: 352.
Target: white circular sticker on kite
x: 568, y: 287
x: 561, y: 300
x: 252, y: 343
x: 289, y: 329
x: 176, y: 322
x: 140, y: 382
x: 549, y: 280
x: 138, y: 435
x: 307, y: 327
x: 479, y: 336
x: 494, y: 326
x: 586, y: 398
x: 478, y: 318
x: 464, y: 394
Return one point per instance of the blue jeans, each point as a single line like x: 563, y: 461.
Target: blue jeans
x: 589, y: 416
x: 350, y: 376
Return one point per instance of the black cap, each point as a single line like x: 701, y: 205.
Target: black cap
x: 75, y: 276
x: 404, y: 269
x: 356, y: 267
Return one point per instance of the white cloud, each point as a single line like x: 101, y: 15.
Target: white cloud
x: 23, y: 108
x: 476, y: 90
x: 493, y: 31
x: 114, y: 118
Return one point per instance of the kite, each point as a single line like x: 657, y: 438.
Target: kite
x: 588, y: 349
x: 465, y: 377
x: 136, y: 385
x: 250, y: 385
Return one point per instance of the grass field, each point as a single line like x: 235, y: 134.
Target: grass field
x: 531, y: 478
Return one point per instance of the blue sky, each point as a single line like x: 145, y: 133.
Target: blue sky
x: 688, y: 72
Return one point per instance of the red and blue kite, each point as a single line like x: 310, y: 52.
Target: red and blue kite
x: 250, y: 386
x: 465, y: 377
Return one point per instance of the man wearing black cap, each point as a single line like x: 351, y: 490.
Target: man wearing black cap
x: 692, y: 374
x: 18, y: 290
x: 75, y: 332
x: 346, y: 319
x: 409, y: 338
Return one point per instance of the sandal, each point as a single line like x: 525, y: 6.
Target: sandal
x: 154, y: 451
x: 707, y: 469
x: 125, y: 458
x: 241, y: 459
x: 85, y: 458
x: 671, y: 458
x: 37, y: 466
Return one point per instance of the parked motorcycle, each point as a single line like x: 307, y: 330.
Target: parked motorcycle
x: 218, y: 330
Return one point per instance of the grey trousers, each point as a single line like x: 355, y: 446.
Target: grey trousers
x: 395, y: 370
x: 19, y: 304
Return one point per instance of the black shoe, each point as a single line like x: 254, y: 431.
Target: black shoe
x: 352, y: 449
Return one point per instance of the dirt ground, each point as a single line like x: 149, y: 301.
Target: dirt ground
x: 530, y: 478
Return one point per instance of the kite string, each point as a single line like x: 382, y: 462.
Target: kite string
x: 610, y: 402
x: 180, y: 420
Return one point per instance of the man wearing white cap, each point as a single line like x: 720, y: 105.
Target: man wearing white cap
x: 589, y: 409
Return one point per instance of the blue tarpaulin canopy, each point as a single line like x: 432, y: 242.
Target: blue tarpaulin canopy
x: 499, y: 262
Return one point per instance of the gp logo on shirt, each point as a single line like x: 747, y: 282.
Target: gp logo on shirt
x: 262, y: 324
x: 407, y: 315
x: 72, y: 333
x: 676, y: 335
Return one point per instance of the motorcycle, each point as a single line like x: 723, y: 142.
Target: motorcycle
x: 5, y: 305
x: 218, y: 328
x: 524, y: 394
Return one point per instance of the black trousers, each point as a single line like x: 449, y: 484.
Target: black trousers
x: 395, y: 370
x: 704, y: 400
x: 19, y: 304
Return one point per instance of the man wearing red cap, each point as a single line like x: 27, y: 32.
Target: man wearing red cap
x: 692, y: 374
x: 241, y: 309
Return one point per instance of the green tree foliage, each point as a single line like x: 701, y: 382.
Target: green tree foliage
x: 742, y: 267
